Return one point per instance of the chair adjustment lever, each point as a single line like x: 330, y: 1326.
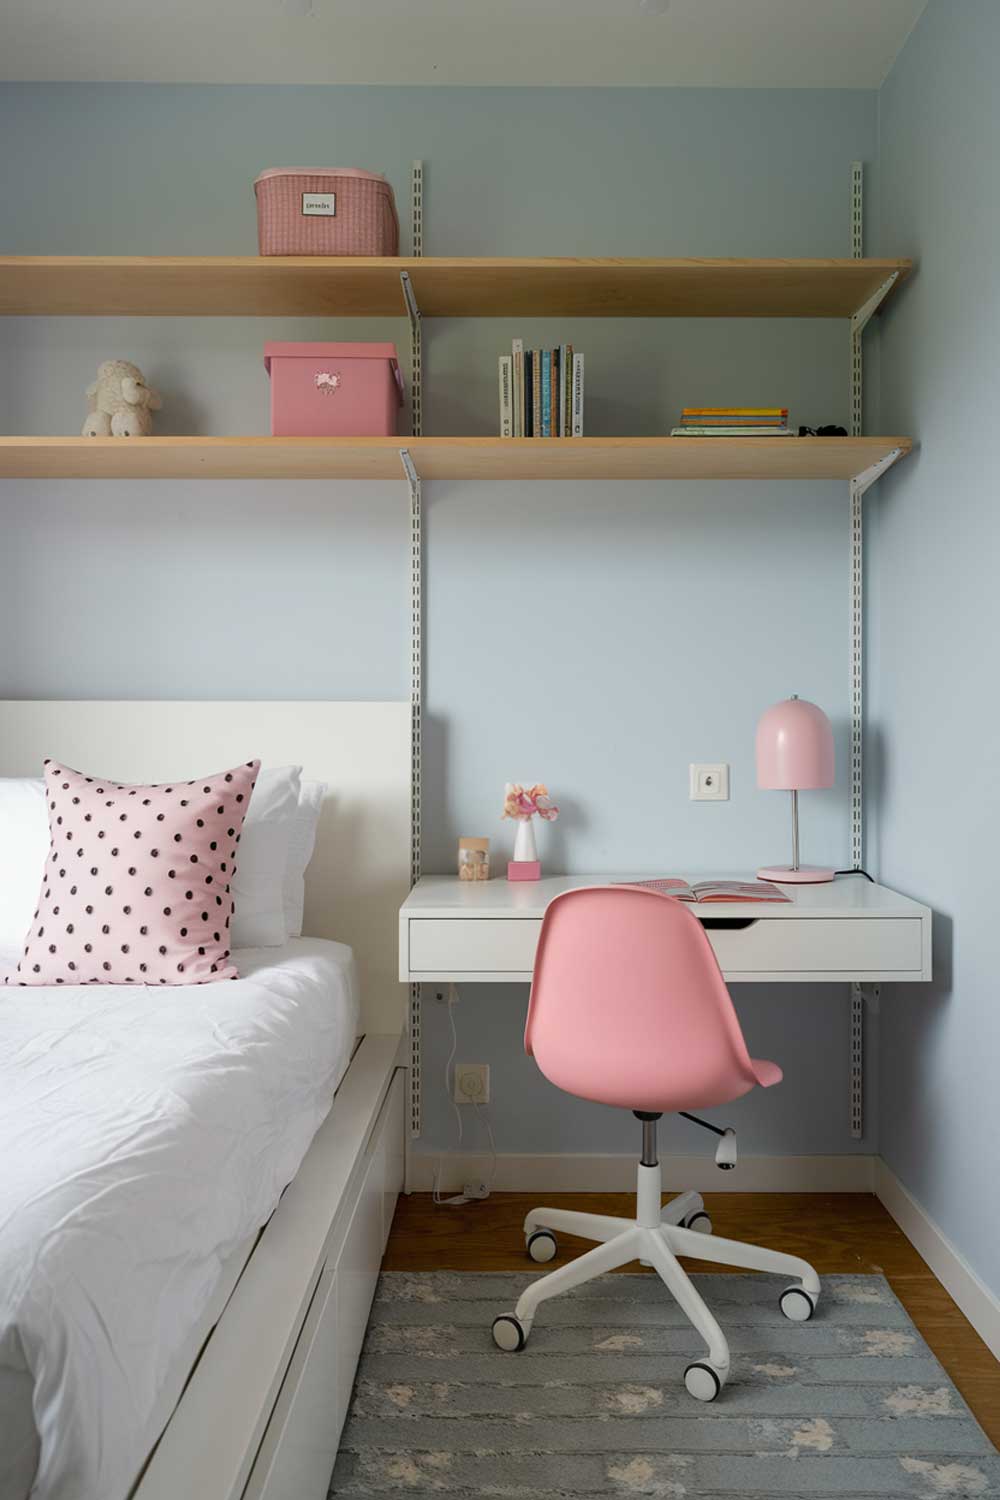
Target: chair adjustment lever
x: 725, y: 1152
x: 705, y: 1124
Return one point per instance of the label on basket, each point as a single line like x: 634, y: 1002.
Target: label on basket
x: 320, y: 203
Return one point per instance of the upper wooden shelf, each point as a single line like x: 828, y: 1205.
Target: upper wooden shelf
x: 443, y: 458
x: 257, y: 286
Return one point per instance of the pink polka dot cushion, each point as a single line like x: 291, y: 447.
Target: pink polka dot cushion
x: 137, y: 884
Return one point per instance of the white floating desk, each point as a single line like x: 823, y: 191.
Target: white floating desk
x: 847, y: 931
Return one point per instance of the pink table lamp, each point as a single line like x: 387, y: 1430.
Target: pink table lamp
x: 794, y: 754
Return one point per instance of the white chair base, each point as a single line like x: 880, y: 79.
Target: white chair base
x: 656, y: 1237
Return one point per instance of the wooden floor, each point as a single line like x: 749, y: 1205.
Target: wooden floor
x: 837, y: 1232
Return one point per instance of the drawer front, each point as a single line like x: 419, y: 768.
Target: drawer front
x: 296, y: 1456
x: 492, y: 945
x: 806, y: 945
x: 357, y: 1273
x: 298, y: 1465
x: 392, y: 1145
x: 820, y: 945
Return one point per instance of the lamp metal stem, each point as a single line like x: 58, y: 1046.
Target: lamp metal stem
x: 795, y: 829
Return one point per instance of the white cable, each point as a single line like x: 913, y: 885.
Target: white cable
x: 482, y: 1115
x: 459, y: 1198
x: 436, y: 1192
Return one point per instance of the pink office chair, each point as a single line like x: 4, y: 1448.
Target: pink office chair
x: 628, y: 1007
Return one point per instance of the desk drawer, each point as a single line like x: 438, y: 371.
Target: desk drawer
x: 492, y: 945
x: 825, y: 945
x: 783, y: 947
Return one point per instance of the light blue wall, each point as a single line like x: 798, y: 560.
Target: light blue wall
x: 936, y: 616
x: 597, y: 636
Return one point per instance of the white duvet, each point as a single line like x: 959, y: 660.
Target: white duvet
x: 144, y: 1134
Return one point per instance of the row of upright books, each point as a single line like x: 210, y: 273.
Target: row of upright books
x: 733, y: 421
x: 541, y: 392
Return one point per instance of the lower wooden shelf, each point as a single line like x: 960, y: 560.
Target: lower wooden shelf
x: 444, y: 458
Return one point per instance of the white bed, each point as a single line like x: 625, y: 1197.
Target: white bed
x: 146, y: 1137
x: 151, y: 1136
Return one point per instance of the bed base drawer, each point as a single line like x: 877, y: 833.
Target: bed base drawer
x: 300, y: 1445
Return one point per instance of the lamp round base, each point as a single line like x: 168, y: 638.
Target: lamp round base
x: 804, y: 875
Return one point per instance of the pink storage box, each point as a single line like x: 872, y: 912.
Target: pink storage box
x: 325, y: 211
x: 334, y: 390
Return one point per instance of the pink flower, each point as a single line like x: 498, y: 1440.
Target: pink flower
x: 523, y: 803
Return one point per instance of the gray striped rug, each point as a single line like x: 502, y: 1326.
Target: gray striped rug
x: 850, y: 1404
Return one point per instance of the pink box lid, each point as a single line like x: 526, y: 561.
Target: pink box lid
x: 306, y: 350
x: 320, y: 172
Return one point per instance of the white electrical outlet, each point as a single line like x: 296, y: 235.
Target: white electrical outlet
x: 472, y: 1083
x: 709, y: 783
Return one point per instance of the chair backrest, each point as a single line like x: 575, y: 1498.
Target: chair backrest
x: 629, y: 1007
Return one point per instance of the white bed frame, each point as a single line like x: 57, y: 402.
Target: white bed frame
x: 260, y: 1414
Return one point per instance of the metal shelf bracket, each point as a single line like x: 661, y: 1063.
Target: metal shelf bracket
x: 856, y: 1059
x: 867, y: 309
x: 864, y: 481
x: 414, y: 1019
x: 416, y: 744
x: 410, y: 299
x: 410, y: 469
x: 857, y: 1045
x: 416, y: 354
x: 864, y: 997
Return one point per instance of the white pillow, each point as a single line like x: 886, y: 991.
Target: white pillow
x: 261, y: 868
x: 300, y: 852
x: 24, y: 848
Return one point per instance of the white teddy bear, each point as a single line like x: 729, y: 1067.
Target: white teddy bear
x: 121, y: 402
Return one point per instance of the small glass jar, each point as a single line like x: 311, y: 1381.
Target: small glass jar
x: 473, y: 859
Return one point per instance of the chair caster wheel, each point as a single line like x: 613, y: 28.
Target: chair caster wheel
x: 698, y: 1221
x: 541, y: 1244
x: 797, y: 1304
x: 704, y: 1382
x: 509, y: 1333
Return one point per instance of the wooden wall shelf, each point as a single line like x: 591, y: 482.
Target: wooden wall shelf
x: 472, y: 458
x: 281, y: 286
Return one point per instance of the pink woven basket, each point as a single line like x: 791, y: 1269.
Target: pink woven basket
x: 325, y: 211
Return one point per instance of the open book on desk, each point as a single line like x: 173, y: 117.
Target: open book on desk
x: 713, y: 890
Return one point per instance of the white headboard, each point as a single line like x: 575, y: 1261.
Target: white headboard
x: 359, y: 874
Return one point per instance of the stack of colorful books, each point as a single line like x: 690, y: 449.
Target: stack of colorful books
x: 733, y: 421
x: 541, y: 392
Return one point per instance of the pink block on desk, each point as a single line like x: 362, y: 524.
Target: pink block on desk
x: 334, y: 390
x: 524, y: 869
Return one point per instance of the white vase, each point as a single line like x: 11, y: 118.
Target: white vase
x: 524, y: 841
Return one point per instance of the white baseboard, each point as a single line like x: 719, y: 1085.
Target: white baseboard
x: 568, y: 1173
x: 979, y: 1304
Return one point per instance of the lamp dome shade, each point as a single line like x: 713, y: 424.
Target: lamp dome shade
x: 794, y: 747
